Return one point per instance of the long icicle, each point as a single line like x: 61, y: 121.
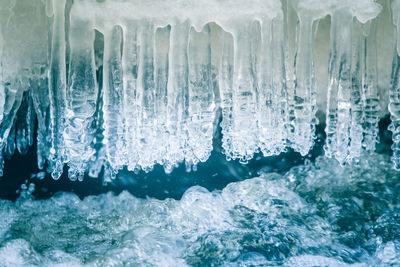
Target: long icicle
x: 81, y: 98
x: 244, y: 142
x: 57, y: 88
x: 177, y: 93
x: 161, y: 61
x: 146, y: 99
x: 356, y: 130
x: 304, y: 85
x: 112, y: 99
x: 339, y: 106
x: 370, y: 90
x: 272, y: 96
x: 201, y: 98
x: 130, y: 62
x: 225, y: 79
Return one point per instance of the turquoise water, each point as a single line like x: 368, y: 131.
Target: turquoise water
x: 317, y: 214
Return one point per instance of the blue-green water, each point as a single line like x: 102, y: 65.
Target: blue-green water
x: 314, y: 215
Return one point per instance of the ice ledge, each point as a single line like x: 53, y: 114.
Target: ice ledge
x: 145, y: 88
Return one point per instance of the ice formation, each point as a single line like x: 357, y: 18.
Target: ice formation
x: 133, y: 83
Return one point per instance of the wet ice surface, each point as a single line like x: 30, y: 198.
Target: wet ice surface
x: 315, y: 215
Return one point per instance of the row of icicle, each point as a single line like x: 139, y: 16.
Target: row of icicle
x: 154, y: 96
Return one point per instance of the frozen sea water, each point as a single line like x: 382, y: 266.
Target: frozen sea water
x: 317, y: 214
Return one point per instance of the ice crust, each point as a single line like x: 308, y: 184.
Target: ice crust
x: 136, y: 83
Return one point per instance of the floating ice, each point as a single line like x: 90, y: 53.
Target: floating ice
x: 129, y: 83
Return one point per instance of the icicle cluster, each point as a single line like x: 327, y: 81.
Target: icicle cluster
x: 129, y: 83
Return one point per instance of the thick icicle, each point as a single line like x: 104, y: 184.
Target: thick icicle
x: 81, y: 98
x: 225, y: 78
x: 340, y: 86
x: 272, y: 95
x: 177, y: 93
x: 148, y: 141
x: 201, y: 98
x: 99, y: 159
x: 244, y: 141
x: 353, y: 105
x: 113, y: 98
x: 370, y: 90
x: 304, y: 85
x: 130, y: 63
x: 162, y: 42
x: 57, y: 87
x: 356, y: 100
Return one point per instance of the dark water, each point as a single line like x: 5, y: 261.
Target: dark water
x: 216, y: 173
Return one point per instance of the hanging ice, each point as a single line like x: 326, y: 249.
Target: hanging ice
x: 130, y: 83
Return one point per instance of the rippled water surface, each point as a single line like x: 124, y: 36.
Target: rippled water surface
x: 315, y: 215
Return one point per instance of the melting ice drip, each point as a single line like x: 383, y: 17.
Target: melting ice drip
x: 152, y: 95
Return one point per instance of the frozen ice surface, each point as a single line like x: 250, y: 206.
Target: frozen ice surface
x: 314, y: 215
x: 133, y: 83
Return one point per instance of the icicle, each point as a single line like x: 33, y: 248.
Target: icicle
x: 10, y: 147
x: 40, y: 100
x: 370, y: 90
x: 162, y: 42
x: 99, y: 159
x: 30, y: 122
x: 9, y: 117
x: 177, y: 94
x: 201, y: 98
x: 244, y: 141
x: 352, y: 65
x: 356, y: 131
x: 81, y: 97
x: 113, y: 98
x: 148, y: 144
x: 24, y: 123
x: 225, y: 78
x: 280, y: 84
x: 272, y: 97
x: 304, y: 89
x: 159, y: 95
x: 339, y: 92
x: 130, y: 62
x: 7, y: 127
x: 57, y: 86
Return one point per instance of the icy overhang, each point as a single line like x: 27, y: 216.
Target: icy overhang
x: 145, y: 89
